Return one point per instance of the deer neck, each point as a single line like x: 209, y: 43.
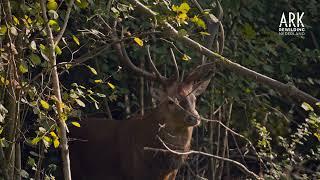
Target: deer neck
x: 159, y: 133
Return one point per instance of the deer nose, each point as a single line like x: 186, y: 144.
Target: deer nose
x: 192, y: 120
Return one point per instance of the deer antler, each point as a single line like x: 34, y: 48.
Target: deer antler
x: 126, y: 61
x: 200, y: 72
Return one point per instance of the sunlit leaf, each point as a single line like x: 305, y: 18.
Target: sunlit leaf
x: 183, y: 8
x: 44, y: 104
x: 35, y: 140
x: 52, y: 5
x: 92, y: 70
x: 16, y: 20
x: 204, y: 33
x: 80, y: 103
x: 317, y: 134
x: 57, y: 50
x: 138, y: 41
x: 53, y: 134
x: 75, y: 123
x: 54, y: 25
x: 101, y: 95
x: 56, y: 143
x: 3, y: 30
x: 47, y: 139
x: 307, y: 106
x: 33, y: 45
x: 98, y: 81
x: 199, y: 22
x: 13, y: 31
x: 111, y: 85
x: 75, y: 39
x: 186, y: 57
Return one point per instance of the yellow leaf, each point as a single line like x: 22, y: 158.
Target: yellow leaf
x: 56, y: 143
x: 199, y: 22
x: 75, y: 123
x: 23, y: 67
x: 111, y: 85
x: 35, y: 140
x: 3, y: 30
x: 57, y: 50
x: 182, y: 17
x: 98, y: 81
x: 76, y: 40
x: 92, y: 70
x: 53, y: 134
x: 48, y: 139
x: 138, y: 41
x: 52, y: 5
x: 183, y: 8
x: 186, y: 57
x: 16, y: 20
x: 317, y: 134
x: 44, y: 104
x: 204, y: 33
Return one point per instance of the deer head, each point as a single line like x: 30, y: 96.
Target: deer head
x: 176, y: 98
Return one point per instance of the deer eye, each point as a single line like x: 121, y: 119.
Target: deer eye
x: 171, y: 102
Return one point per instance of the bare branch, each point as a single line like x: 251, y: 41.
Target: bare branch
x: 66, y: 19
x: 175, y: 64
x: 239, y: 165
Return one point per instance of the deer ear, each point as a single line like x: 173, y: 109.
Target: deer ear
x: 200, y: 87
x: 157, y: 94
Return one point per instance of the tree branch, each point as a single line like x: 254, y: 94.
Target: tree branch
x: 66, y: 19
x: 284, y: 89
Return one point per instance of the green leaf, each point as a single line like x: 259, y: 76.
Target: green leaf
x: 76, y: 124
x: 92, y: 70
x: 80, y: 103
x: 57, y: 50
x: 82, y: 4
x: 35, y: 140
x: 35, y: 59
x: 75, y: 39
x: 54, y: 25
x: 44, y: 104
x: 23, y: 68
x: 3, y: 30
x: 52, y: 5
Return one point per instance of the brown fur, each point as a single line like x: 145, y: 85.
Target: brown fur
x: 115, y: 150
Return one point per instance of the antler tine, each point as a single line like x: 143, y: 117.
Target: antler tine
x: 125, y: 59
x: 128, y: 63
x: 175, y: 65
x: 154, y: 68
x: 201, y: 71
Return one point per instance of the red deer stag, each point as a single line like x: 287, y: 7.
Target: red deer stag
x: 127, y: 149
